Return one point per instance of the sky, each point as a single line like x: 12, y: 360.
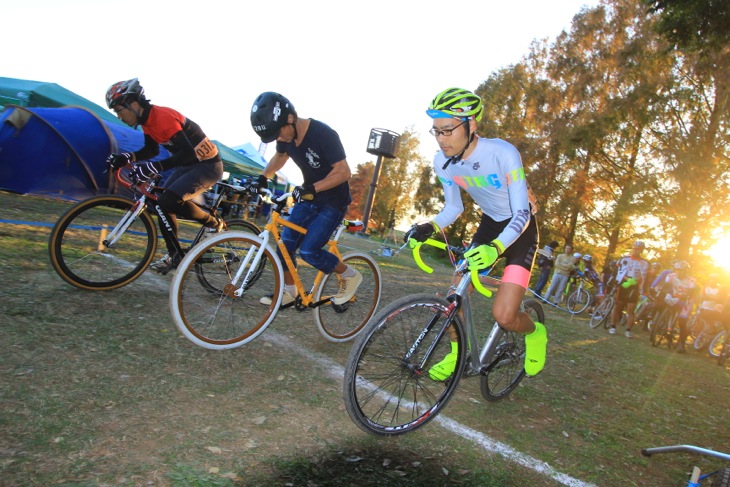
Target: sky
x: 353, y: 65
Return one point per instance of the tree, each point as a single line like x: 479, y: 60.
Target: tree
x: 359, y: 187
x: 393, y: 194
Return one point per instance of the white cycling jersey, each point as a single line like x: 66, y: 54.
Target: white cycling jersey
x: 495, y: 179
x: 631, y: 267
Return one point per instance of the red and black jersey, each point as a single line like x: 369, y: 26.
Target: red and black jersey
x: 182, y: 137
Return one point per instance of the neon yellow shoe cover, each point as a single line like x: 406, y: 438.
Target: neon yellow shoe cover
x: 444, y: 369
x: 535, y: 350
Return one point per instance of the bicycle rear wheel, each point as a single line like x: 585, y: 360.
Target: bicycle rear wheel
x: 212, y: 315
x: 387, y: 388
x: 602, y: 313
x: 578, y: 301
x: 79, y: 250
x: 507, y: 369
x: 202, y: 264
x: 340, y: 323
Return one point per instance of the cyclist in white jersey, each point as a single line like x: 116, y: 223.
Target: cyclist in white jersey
x: 630, y: 276
x: 491, y: 172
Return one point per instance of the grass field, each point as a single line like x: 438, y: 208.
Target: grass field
x: 101, y: 389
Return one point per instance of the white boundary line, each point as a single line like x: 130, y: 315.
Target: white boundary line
x: 336, y: 371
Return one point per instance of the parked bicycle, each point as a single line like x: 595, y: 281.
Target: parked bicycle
x: 581, y: 297
x: 387, y: 388
x: 723, y: 474
x: 227, y: 311
x: 108, y: 241
x: 602, y: 314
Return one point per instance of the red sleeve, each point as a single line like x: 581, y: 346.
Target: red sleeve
x: 163, y: 123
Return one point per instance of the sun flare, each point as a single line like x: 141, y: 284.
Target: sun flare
x: 720, y: 252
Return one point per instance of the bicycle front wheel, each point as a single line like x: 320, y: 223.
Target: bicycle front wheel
x: 213, y: 315
x: 602, y: 313
x: 81, y: 253
x: 704, y: 336
x: 340, y: 323
x: 387, y: 387
x: 715, y: 348
x: 578, y: 301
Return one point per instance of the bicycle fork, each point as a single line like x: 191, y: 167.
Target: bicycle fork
x: 253, y: 254
x: 121, y: 227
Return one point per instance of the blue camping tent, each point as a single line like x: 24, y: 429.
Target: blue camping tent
x: 60, y: 151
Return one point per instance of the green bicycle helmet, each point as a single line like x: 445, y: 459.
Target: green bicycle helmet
x: 456, y: 103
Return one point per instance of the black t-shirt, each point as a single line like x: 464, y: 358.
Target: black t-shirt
x: 320, y: 149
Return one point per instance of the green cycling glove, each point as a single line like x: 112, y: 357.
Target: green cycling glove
x: 628, y: 283
x: 482, y: 257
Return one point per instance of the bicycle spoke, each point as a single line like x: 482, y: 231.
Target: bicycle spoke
x: 386, y: 394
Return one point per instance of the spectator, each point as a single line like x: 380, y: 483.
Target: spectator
x: 564, y: 265
x: 545, y: 262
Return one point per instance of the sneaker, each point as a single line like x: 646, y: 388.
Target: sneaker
x: 612, y: 330
x: 680, y: 348
x: 444, y: 369
x: 348, y: 288
x: 165, y: 264
x: 285, y: 300
x: 628, y: 334
x: 535, y: 350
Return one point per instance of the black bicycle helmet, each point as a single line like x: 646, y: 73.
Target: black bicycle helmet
x: 124, y: 92
x: 269, y: 113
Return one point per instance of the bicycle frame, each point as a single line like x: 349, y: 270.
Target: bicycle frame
x: 146, y: 197
x: 271, y: 231
x: 479, y: 361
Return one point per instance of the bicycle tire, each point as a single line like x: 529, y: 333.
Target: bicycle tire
x: 220, y: 321
x: 77, y: 251
x: 507, y: 369
x: 200, y: 264
x: 715, y: 347
x: 340, y: 323
x: 704, y: 337
x: 578, y: 301
x: 607, y: 320
x: 659, y: 329
x: 386, y: 391
x: 601, y: 313
x: 242, y: 226
x: 673, y: 331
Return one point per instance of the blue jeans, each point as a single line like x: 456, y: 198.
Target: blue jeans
x: 320, y: 222
x: 544, y: 276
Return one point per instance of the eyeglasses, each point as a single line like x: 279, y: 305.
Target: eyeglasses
x: 118, y: 109
x: 445, y: 132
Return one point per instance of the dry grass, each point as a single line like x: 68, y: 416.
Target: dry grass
x: 101, y: 389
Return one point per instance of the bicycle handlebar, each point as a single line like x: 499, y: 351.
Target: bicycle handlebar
x: 416, y: 246
x: 144, y: 188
